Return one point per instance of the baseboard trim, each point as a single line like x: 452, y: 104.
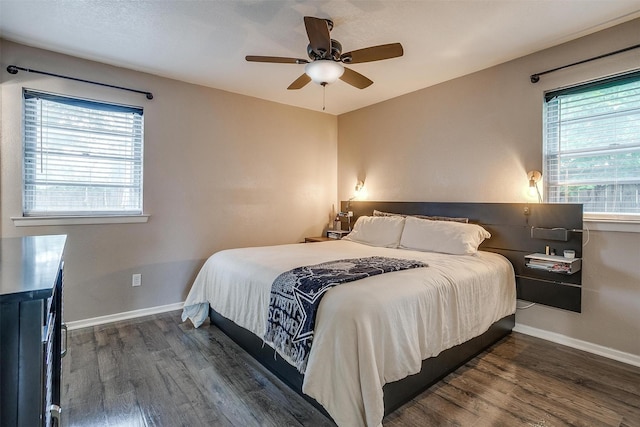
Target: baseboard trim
x: 610, y: 353
x: 101, y: 320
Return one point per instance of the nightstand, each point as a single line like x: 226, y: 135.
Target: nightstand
x: 317, y: 239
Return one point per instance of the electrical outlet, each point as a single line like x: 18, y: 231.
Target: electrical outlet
x: 136, y: 279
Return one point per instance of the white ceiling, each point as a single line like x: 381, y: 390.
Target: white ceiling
x: 205, y: 42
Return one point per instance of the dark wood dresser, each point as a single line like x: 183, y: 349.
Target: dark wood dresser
x: 31, y: 280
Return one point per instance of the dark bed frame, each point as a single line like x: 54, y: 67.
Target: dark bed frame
x: 510, y: 225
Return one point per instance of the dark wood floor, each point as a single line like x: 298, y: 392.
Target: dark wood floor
x: 157, y: 371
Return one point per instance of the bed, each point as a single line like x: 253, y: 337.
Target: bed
x: 377, y: 341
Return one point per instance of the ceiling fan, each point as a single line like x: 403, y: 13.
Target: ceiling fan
x: 326, y: 57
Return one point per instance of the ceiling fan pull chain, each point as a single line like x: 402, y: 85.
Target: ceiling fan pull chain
x: 324, y: 95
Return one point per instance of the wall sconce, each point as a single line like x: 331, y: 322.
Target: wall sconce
x: 534, y: 177
x: 360, y: 190
x: 360, y: 193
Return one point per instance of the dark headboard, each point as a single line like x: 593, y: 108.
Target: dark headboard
x: 517, y: 229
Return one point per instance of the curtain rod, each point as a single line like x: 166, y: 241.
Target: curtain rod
x: 13, y: 69
x: 535, y: 78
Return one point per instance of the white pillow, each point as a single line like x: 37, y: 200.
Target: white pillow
x: 384, y: 231
x: 435, y: 218
x: 442, y: 236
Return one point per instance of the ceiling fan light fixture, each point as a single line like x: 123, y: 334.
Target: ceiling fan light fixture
x: 324, y: 71
x: 327, y: 58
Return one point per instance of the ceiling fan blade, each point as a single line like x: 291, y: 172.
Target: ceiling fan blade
x: 318, y: 32
x: 300, y: 82
x: 373, y: 53
x: 355, y: 79
x: 275, y: 59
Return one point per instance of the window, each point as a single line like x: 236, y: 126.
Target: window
x: 81, y: 157
x: 592, y: 146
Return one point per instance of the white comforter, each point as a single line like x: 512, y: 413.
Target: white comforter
x: 368, y: 332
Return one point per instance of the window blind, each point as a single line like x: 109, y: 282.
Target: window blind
x: 592, y: 145
x: 81, y: 157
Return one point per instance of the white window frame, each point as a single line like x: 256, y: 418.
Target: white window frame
x: 116, y: 154
x: 552, y: 151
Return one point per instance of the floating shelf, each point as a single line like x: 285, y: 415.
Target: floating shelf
x: 553, y: 263
x: 337, y: 234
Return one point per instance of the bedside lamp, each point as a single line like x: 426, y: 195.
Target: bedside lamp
x: 360, y: 191
x: 534, y: 177
x: 358, y: 194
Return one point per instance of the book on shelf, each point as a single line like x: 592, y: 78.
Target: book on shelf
x: 553, y: 263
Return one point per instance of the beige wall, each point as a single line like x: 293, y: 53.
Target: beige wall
x: 221, y: 170
x: 473, y: 139
x: 224, y: 170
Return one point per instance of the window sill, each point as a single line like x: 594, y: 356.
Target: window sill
x: 35, y: 221
x: 624, y: 226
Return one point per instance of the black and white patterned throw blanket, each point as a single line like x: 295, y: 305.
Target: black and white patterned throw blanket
x: 296, y: 295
